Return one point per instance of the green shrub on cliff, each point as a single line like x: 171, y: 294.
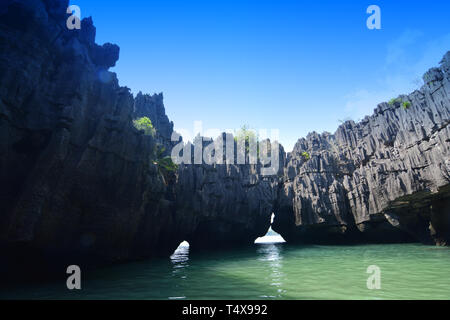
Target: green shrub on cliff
x: 164, y: 162
x: 306, y: 156
x: 144, y: 124
x: 245, y: 133
x: 167, y: 164
x: 394, y: 100
x: 166, y: 167
x: 406, y: 105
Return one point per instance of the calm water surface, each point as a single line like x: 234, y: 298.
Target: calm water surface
x: 267, y: 271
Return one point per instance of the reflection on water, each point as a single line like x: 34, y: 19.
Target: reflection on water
x: 180, y: 263
x: 270, y: 254
x: 265, y: 271
x: 269, y: 258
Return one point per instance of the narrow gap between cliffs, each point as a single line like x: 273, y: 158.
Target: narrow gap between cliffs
x: 271, y: 236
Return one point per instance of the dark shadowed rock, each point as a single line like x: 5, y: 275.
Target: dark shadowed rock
x: 80, y: 183
x: 77, y: 179
x: 153, y: 107
x: 225, y: 205
x: 384, y: 179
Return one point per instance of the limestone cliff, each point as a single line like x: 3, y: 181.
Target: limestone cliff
x: 225, y: 205
x: 384, y: 179
x: 79, y: 182
x: 77, y: 179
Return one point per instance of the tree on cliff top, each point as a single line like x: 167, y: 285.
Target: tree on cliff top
x: 248, y: 135
x: 144, y: 124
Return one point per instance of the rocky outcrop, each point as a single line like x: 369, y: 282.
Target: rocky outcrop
x: 226, y: 205
x: 77, y: 179
x: 153, y: 107
x: 80, y: 183
x: 384, y: 179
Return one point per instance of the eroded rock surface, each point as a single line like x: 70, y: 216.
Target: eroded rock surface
x: 78, y: 181
x: 384, y: 179
x: 226, y: 205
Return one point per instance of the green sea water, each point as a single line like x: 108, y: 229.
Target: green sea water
x: 266, y: 271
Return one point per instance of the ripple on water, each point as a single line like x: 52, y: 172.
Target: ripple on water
x: 267, y: 271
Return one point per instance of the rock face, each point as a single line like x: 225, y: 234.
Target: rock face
x: 77, y: 179
x: 153, y: 107
x: 385, y: 179
x: 79, y: 182
x: 226, y: 204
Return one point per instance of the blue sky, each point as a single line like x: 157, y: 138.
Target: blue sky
x: 297, y: 66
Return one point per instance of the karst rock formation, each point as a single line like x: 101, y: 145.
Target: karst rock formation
x: 79, y: 181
